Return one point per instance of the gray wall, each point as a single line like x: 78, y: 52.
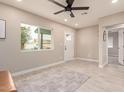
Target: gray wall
x: 11, y: 57
x: 113, y: 51
x: 87, y: 43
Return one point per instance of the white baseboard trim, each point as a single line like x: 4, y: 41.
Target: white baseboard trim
x: 85, y: 59
x: 37, y: 68
x: 50, y: 65
x: 102, y: 66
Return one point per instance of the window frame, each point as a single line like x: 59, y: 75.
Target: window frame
x: 39, y: 49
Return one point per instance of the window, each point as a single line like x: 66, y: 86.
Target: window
x: 68, y: 37
x: 110, y: 42
x: 35, y: 38
x: 46, y: 39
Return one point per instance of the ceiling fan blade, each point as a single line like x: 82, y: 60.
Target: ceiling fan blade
x: 80, y: 8
x: 53, y: 1
x: 72, y: 15
x: 70, y: 2
x: 59, y: 12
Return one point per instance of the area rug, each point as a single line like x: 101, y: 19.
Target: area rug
x: 57, y: 79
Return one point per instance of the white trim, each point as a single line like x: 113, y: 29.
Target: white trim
x: 86, y: 59
x: 102, y: 65
x: 51, y: 65
x: 121, y: 46
x: 35, y: 69
x: 38, y: 50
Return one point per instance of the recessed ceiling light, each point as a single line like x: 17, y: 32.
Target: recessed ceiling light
x: 114, y: 1
x: 65, y: 20
x: 19, y: 0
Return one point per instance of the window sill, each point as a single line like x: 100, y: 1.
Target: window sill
x: 40, y: 50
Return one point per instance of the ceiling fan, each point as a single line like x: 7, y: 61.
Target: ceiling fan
x: 68, y: 7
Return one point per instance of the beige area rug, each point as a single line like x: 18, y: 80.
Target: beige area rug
x: 56, y: 79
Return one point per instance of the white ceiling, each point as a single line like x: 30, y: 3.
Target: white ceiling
x: 98, y: 8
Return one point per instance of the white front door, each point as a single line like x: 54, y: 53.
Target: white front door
x: 69, y: 46
x: 121, y: 46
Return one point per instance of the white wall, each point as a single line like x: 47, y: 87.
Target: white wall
x: 87, y: 43
x: 11, y: 57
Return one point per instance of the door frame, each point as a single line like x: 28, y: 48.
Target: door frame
x: 120, y: 32
x: 121, y: 46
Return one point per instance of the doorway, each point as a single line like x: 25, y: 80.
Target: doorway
x: 115, y: 45
x: 69, y: 46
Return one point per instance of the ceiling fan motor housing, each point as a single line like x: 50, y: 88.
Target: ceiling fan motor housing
x: 68, y: 9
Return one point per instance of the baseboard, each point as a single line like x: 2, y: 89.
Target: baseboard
x: 102, y: 65
x: 50, y: 65
x: 85, y: 59
x: 37, y: 68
